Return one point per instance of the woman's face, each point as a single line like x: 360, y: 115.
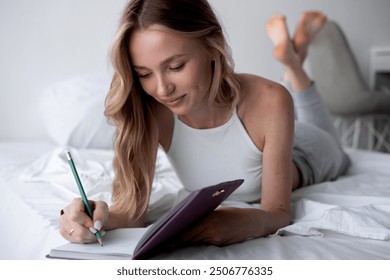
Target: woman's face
x: 176, y: 71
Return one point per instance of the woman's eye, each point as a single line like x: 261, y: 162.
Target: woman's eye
x: 176, y: 67
x: 144, y: 75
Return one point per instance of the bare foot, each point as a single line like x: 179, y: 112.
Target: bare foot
x: 277, y: 31
x: 310, y: 23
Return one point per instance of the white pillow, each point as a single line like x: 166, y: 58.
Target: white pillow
x: 73, y: 112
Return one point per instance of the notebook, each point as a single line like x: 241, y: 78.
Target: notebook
x: 143, y: 243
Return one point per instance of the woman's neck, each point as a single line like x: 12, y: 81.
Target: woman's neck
x: 210, y: 117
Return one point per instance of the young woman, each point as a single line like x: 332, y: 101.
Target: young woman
x: 174, y: 86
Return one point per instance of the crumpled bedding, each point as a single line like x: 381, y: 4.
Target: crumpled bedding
x: 343, y: 219
x: 96, y: 174
x: 355, y: 209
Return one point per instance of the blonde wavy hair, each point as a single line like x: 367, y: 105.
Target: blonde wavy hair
x: 131, y: 109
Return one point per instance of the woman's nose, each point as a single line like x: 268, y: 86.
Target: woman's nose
x: 164, y: 87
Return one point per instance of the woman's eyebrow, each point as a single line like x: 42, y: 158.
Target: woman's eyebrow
x: 164, y: 62
x: 171, y: 58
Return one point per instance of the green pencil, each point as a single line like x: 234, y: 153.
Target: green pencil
x: 88, y: 208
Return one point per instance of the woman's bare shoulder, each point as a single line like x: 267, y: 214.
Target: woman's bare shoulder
x: 261, y: 93
x: 263, y: 105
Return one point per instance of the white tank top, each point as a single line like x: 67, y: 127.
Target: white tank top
x: 203, y: 157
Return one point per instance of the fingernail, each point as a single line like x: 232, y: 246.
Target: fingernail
x: 93, y: 230
x: 97, y: 225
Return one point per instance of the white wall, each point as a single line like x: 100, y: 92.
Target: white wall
x: 44, y: 41
x: 365, y: 23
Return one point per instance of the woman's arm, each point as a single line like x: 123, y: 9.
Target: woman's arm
x: 277, y: 159
x: 267, y: 112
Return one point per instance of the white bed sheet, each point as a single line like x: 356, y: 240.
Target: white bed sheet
x: 344, y: 219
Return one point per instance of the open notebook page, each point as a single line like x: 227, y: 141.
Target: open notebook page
x: 118, y: 244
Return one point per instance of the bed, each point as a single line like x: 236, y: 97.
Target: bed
x: 344, y: 219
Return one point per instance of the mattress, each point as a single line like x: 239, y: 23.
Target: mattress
x: 342, y: 219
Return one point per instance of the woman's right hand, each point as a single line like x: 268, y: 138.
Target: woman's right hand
x: 75, y: 224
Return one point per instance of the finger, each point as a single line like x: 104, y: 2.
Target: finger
x: 75, y: 213
x: 76, y: 225
x: 74, y: 232
x: 78, y: 234
x: 86, y: 236
x: 191, y: 236
x: 100, y: 214
x: 75, y: 207
x: 66, y: 224
x: 203, y: 232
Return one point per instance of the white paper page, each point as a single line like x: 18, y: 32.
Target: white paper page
x: 118, y: 242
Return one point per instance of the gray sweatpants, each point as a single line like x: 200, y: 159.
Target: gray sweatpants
x: 317, y: 151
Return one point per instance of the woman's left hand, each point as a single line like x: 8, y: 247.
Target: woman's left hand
x: 222, y: 227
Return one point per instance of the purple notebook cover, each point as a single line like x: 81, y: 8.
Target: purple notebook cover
x: 194, y: 207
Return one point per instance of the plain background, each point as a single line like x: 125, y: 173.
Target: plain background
x: 44, y: 42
